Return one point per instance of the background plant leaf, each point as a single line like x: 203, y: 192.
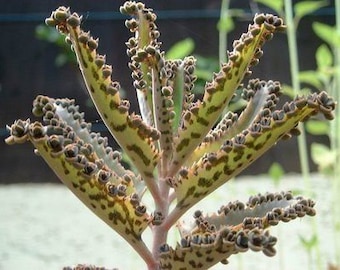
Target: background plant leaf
x: 324, y: 57
x: 310, y: 77
x: 276, y: 172
x: 277, y: 5
x: 308, y: 244
x: 317, y: 127
x: 307, y: 7
x: 289, y: 91
x: 181, y: 49
x: 323, y: 156
x: 327, y: 33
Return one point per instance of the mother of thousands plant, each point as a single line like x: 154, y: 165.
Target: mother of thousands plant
x: 182, y: 148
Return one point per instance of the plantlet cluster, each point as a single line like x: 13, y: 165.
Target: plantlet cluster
x: 182, y: 148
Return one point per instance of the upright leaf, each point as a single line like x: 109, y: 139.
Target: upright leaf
x: 199, y: 119
x: 324, y: 57
x: 214, y: 169
x: 304, y: 8
x: 327, y: 33
x: 105, y: 94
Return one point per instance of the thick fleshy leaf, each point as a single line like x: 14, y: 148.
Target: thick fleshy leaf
x: 105, y: 94
x: 203, y: 250
x: 199, y: 119
x: 78, y: 167
x: 87, y: 267
x: 235, y: 228
x: 67, y: 111
x: 179, y: 86
x: 160, y: 83
x: 236, y: 154
x: 142, y: 63
x: 261, y: 211
x: 261, y: 99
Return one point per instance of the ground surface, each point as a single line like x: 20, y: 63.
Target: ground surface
x: 46, y: 227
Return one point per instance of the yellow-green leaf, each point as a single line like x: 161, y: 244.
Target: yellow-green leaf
x: 324, y: 57
x: 181, y: 49
x: 317, y: 127
x: 304, y: 8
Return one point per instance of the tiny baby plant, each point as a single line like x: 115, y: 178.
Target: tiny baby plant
x: 182, y: 148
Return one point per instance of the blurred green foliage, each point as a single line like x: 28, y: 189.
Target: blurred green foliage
x: 51, y: 35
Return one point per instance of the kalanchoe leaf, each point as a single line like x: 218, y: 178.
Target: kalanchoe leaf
x: 65, y: 110
x: 261, y: 211
x: 100, y: 189
x: 105, y: 94
x: 219, y: 92
x: 76, y: 163
x: 153, y: 76
x: 146, y: 34
x: 236, y: 228
x: 175, y: 96
x: 182, y: 80
x: 236, y: 154
x: 87, y: 267
x: 203, y: 250
x: 261, y: 99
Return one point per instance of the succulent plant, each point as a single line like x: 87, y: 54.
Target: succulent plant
x: 183, y: 148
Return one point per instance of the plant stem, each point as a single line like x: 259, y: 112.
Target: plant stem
x: 335, y: 140
x: 159, y: 233
x: 222, y: 32
x: 294, y: 68
x: 145, y: 254
x: 223, y: 37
